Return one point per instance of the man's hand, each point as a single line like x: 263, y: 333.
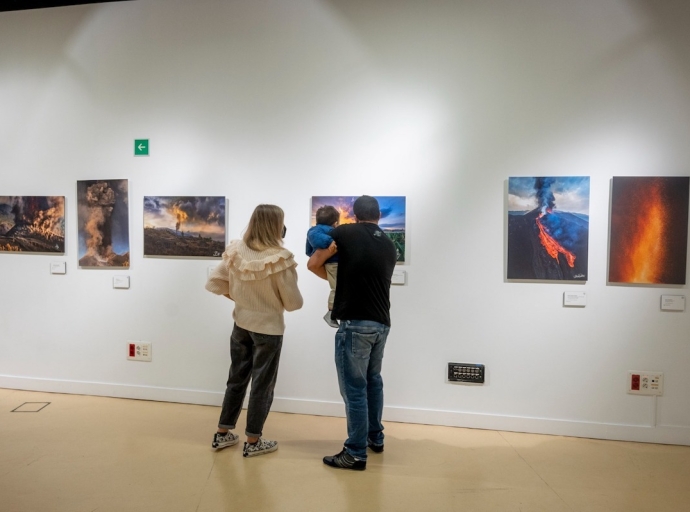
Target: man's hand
x: 318, y: 260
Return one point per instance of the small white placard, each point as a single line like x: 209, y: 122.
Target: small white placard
x: 673, y: 302
x: 399, y: 277
x: 575, y: 299
x: 208, y: 272
x: 58, y: 267
x: 121, y: 282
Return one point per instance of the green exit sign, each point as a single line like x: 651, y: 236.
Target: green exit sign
x: 141, y: 147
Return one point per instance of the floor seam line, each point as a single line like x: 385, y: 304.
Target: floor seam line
x: 536, y: 473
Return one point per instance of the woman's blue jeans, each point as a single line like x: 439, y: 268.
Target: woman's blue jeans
x: 359, y: 348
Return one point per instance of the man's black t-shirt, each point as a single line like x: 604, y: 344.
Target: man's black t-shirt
x: 366, y: 260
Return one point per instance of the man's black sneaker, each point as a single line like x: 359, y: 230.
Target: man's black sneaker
x: 376, y: 448
x: 344, y: 460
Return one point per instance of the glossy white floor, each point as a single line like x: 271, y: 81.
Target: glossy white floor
x: 86, y: 454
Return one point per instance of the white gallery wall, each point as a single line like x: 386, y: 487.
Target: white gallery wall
x: 273, y: 101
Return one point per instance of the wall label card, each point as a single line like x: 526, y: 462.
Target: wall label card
x: 58, y: 267
x: 673, y: 302
x: 399, y: 277
x: 121, y: 282
x: 574, y: 299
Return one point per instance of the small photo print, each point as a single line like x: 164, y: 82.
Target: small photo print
x: 649, y: 230
x: 103, y: 223
x: 392, y: 216
x: 548, y: 228
x: 186, y: 226
x: 32, y: 224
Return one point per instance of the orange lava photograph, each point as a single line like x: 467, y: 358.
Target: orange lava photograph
x: 649, y: 230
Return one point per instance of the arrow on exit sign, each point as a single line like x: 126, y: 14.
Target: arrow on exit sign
x: 141, y: 147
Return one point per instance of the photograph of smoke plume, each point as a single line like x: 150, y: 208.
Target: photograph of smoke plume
x: 548, y: 228
x: 649, y: 230
x: 392, y: 216
x: 184, y: 226
x: 32, y: 224
x: 103, y: 223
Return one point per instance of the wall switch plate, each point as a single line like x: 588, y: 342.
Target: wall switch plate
x: 58, y: 267
x: 645, y: 383
x: 139, y: 351
x: 466, y: 372
x: 121, y: 282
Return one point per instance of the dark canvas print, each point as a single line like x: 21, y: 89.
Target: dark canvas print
x: 103, y: 223
x: 548, y: 228
x: 184, y: 226
x: 32, y: 224
x: 392, y: 216
x: 649, y: 230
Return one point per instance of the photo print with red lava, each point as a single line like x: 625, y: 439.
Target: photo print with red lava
x: 649, y: 230
x: 392, y: 216
x: 103, y: 223
x: 184, y: 226
x: 548, y: 228
x: 32, y: 224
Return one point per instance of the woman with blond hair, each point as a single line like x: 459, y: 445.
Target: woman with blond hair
x: 258, y: 274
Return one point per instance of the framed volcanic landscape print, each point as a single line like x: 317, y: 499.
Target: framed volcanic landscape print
x: 32, y: 224
x: 649, y: 230
x: 184, y: 226
x: 103, y: 223
x: 392, y: 216
x: 548, y: 228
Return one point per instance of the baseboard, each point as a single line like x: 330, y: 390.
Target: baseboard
x: 662, y: 434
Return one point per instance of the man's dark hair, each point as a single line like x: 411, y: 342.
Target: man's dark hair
x: 366, y: 208
x: 327, y: 215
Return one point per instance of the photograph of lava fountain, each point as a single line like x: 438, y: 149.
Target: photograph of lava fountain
x: 649, y: 230
x: 103, y: 223
x: 548, y: 228
x: 32, y: 224
x: 184, y: 226
x: 392, y: 216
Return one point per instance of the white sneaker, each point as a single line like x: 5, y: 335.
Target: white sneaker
x: 224, y: 440
x: 261, y: 447
x: 330, y: 321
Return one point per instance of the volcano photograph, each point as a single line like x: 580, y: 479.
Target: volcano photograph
x: 392, y: 220
x: 103, y: 223
x: 649, y: 230
x: 184, y: 226
x: 548, y: 228
x: 32, y: 224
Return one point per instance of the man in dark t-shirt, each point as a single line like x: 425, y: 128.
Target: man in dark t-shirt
x: 362, y: 306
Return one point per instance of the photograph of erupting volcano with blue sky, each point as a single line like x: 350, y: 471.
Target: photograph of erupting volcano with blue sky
x: 392, y: 216
x: 103, y: 223
x: 548, y: 228
x: 184, y: 226
x: 649, y: 230
x: 32, y: 224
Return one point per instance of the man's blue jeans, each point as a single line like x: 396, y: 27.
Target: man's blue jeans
x: 359, y: 348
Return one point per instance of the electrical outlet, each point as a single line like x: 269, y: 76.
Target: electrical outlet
x: 645, y: 383
x: 466, y: 372
x: 139, y: 351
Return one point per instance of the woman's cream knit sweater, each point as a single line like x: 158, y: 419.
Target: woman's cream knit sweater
x: 263, y: 285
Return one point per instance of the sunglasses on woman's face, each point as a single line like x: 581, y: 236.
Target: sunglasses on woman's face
x: 284, y: 231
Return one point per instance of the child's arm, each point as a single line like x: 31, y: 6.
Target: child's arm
x: 318, y: 260
x: 318, y: 239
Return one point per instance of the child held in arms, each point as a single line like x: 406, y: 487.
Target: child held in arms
x: 318, y: 237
